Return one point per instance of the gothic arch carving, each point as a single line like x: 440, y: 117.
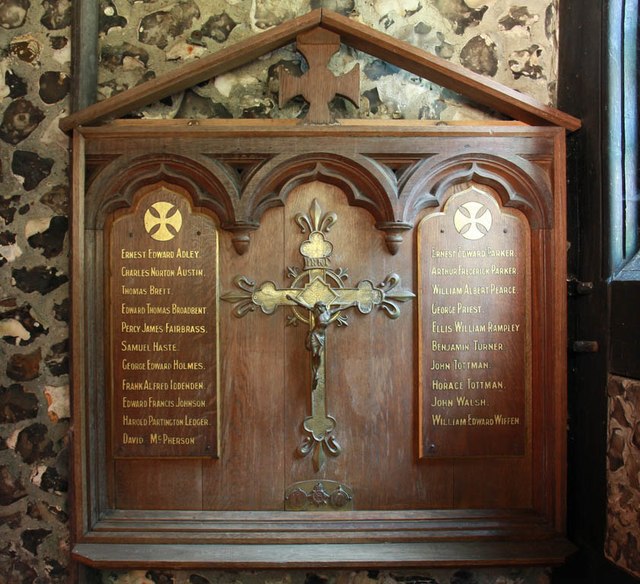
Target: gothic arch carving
x: 211, y: 184
x: 366, y: 183
x: 519, y: 183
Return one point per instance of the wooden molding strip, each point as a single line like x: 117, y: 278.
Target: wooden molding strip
x: 399, y: 53
x: 272, y: 128
x: 383, y: 555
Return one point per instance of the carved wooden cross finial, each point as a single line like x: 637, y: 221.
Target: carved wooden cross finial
x: 319, y: 85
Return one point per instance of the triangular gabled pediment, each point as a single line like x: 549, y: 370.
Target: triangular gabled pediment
x: 481, y: 90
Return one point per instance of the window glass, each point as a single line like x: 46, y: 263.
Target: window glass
x: 623, y: 129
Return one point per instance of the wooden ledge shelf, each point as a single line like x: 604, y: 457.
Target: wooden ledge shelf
x: 383, y: 555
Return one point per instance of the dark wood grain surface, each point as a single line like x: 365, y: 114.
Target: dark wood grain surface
x: 381, y: 180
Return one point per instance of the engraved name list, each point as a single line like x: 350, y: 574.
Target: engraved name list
x: 163, y: 335
x: 474, y: 329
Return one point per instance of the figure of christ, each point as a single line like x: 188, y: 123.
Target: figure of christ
x: 317, y: 337
x: 319, y: 425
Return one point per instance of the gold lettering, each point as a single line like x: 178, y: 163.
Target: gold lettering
x: 129, y: 328
x: 191, y: 403
x: 482, y: 384
x: 441, y: 403
x: 503, y: 271
x: 161, y: 254
x: 187, y: 365
x: 133, y: 291
x: 440, y: 328
x: 134, y: 272
x: 158, y: 366
x: 440, y: 365
x: 161, y: 272
x: 164, y: 347
x: 439, y: 385
x: 161, y: 403
x: 482, y: 346
x: 493, y: 327
x: 468, y: 308
x: 501, y: 253
x: 134, y: 347
x: 189, y: 272
x: 133, y: 365
x: 471, y: 253
x: 128, y: 421
x: 460, y: 271
x: 152, y: 328
x: 187, y: 254
x: 194, y: 329
x: 134, y: 403
x: 316, y: 262
x: 125, y: 309
x: 155, y: 385
x: 439, y: 420
x: 467, y: 402
x: 178, y: 440
x: 125, y: 327
x: 151, y: 309
x: 506, y: 420
x: 176, y: 309
x: 470, y: 364
x: 132, y: 385
x: 476, y: 290
x: 127, y: 439
x: 437, y: 309
x: 442, y: 253
x: 495, y: 289
x: 459, y: 308
x: 476, y: 421
x: 186, y: 385
x: 449, y: 347
x: 189, y: 421
x: 447, y: 290
x: 468, y: 290
x: 462, y: 327
x: 164, y: 422
x: 145, y: 385
x: 126, y: 254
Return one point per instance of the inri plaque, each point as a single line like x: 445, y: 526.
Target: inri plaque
x: 163, y: 290
x: 474, y: 282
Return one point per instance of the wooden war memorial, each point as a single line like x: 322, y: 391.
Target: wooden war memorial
x: 318, y: 342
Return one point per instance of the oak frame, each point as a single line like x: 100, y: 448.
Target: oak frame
x: 113, y: 160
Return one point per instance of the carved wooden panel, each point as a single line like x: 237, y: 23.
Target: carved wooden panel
x: 162, y: 313
x: 374, y: 222
x: 474, y: 327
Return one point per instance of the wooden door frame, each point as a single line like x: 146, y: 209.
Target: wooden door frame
x: 583, y: 91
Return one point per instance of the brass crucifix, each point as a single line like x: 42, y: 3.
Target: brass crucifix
x: 318, y: 296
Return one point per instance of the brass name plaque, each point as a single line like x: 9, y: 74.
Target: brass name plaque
x: 474, y: 282
x: 162, y: 333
